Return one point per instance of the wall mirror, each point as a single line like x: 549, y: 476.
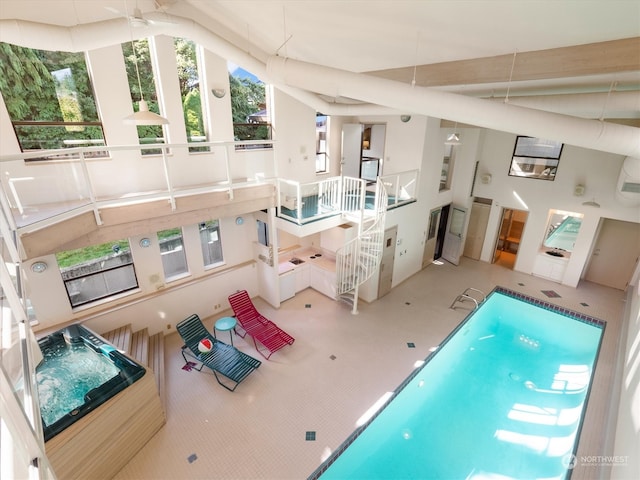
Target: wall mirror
x: 562, y: 230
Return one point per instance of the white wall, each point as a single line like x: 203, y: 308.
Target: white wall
x: 52, y: 306
x: 294, y: 126
x: 627, y: 441
x: 598, y: 171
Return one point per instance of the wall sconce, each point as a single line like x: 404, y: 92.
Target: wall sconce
x: 218, y: 92
x: 38, y: 267
x: 239, y: 220
x: 405, y: 118
x: 145, y: 242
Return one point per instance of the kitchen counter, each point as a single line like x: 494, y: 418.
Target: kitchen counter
x: 310, y: 257
x: 318, y: 271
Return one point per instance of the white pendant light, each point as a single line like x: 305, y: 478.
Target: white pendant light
x: 143, y: 116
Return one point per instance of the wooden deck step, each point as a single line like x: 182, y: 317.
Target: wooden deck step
x: 140, y: 346
x: 156, y: 362
x: 120, y: 338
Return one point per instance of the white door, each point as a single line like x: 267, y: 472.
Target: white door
x: 432, y: 237
x: 385, y: 279
x: 477, y: 229
x: 452, y: 246
x: 615, y: 254
x: 351, y: 149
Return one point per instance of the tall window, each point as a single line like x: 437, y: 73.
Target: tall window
x: 49, y: 98
x: 447, y: 168
x: 147, y: 134
x: 174, y: 259
x: 251, y: 119
x: 211, y: 243
x: 189, y: 79
x: 97, y: 272
x: 322, y: 126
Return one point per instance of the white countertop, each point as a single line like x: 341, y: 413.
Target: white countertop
x: 323, y: 261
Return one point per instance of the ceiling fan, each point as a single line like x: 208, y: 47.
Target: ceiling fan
x: 137, y: 19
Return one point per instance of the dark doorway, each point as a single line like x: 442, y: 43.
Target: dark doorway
x: 442, y: 230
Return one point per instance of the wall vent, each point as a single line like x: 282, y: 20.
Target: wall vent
x: 630, y: 187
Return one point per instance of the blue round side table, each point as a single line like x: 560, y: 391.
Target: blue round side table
x: 225, y: 324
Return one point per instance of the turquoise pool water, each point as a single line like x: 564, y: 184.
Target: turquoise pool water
x: 78, y: 373
x: 502, y: 398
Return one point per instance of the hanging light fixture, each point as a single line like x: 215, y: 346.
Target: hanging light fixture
x: 591, y: 203
x: 453, y: 138
x: 143, y: 116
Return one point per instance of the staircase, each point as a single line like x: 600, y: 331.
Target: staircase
x: 144, y: 349
x: 359, y: 259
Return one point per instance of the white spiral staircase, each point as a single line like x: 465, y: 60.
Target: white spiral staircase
x: 359, y: 258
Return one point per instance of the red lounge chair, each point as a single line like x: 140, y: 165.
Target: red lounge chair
x: 267, y: 336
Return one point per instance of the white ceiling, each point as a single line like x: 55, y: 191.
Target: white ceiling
x: 370, y: 35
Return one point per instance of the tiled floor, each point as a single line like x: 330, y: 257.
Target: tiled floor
x: 289, y: 414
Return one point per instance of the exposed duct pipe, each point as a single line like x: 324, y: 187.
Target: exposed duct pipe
x: 384, y: 96
x: 593, y: 134
x: 586, y: 105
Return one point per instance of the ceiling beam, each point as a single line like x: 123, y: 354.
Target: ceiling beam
x: 582, y: 60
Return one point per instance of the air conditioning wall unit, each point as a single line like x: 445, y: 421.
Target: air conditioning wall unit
x: 628, y: 187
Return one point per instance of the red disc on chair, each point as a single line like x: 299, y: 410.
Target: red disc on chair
x: 205, y: 345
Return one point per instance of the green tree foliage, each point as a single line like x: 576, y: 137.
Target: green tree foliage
x: 139, y: 62
x: 45, y: 86
x: 189, y: 82
x: 247, y: 97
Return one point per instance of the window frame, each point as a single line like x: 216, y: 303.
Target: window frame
x: 532, y: 165
x: 172, y: 276
x: 202, y: 228
x: 70, y: 282
x: 76, y: 94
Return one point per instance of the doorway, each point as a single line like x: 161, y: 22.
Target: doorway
x: 385, y: 279
x: 442, y: 231
x: 477, y: 229
x: 508, y: 242
x: 615, y: 254
x: 428, y: 254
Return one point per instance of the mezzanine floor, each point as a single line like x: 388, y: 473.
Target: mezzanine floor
x: 259, y: 431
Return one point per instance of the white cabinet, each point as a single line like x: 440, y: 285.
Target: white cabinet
x: 323, y: 281
x: 549, y: 267
x: 303, y: 277
x: 287, y: 285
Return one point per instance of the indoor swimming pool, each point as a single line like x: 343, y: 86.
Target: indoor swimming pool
x: 503, y: 396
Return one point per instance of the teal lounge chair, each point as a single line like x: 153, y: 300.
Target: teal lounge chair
x: 224, y: 360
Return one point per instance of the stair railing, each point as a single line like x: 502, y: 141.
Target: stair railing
x: 360, y: 258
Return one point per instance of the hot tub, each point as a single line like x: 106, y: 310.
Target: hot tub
x: 79, y: 372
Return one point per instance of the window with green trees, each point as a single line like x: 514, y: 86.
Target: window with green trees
x: 49, y: 98
x: 248, y: 107
x: 189, y: 79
